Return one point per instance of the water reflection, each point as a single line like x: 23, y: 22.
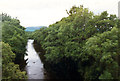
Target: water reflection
x: 34, y: 65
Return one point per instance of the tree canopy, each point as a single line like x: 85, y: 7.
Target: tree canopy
x: 81, y: 44
x: 13, y: 48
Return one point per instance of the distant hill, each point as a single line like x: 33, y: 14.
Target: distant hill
x: 33, y: 28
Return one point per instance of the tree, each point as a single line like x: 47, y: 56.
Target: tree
x: 66, y: 44
x: 13, y: 34
x: 9, y: 69
x: 101, y: 56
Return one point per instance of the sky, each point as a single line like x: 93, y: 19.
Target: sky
x: 46, y: 12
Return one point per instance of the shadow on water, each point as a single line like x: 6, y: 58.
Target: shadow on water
x: 39, y: 51
x: 38, y: 48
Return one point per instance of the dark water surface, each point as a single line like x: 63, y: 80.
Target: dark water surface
x: 34, y: 67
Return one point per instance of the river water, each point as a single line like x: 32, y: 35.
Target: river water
x: 34, y: 67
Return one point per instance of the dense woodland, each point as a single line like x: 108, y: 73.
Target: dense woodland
x: 82, y: 45
x: 14, y: 42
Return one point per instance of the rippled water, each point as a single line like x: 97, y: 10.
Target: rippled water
x: 34, y: 67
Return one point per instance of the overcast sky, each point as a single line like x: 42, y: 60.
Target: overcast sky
x: 46, y: 12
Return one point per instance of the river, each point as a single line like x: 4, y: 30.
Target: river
x: 34, y: 67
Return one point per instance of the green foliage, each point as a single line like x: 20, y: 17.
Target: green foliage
x: 29, y: 35
x: 103, y: 51
x: 13, y: 34
x: 86, y: 41
x: 106, y: 75
x: 13, y: 48
x: 9, y: 69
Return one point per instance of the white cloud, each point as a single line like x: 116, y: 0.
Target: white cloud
x: 46, y: 12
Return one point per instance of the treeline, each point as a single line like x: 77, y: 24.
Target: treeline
x: 82, y: 45
x: 13, y: 48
